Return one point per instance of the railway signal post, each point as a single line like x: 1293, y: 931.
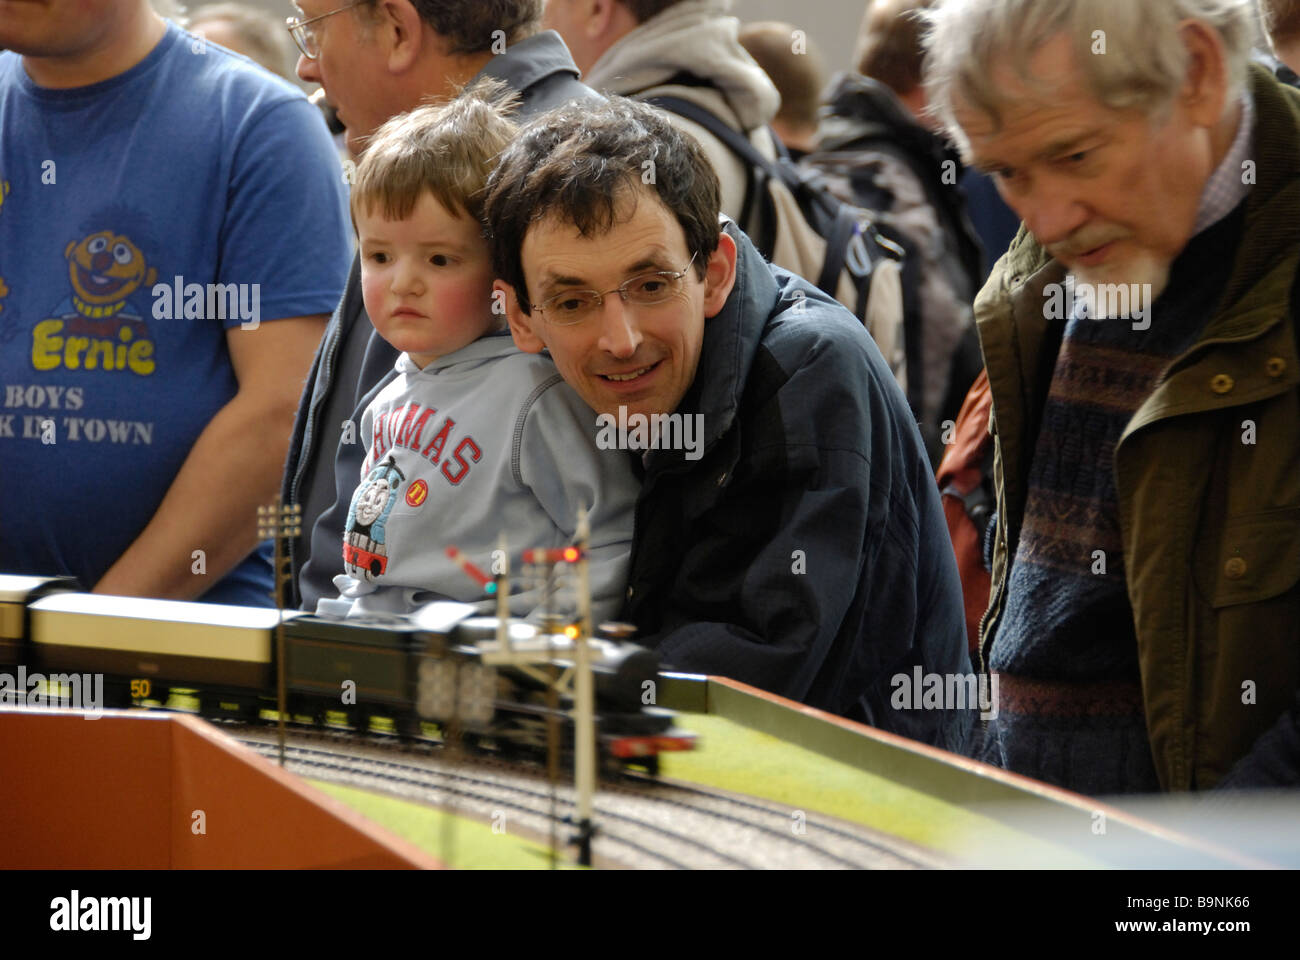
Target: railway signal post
x: 584, y: 728
x: 277, y: 522
x: 579, y: 675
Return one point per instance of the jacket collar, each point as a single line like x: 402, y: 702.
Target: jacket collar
x: 1259, y: 290
x: 1247, y: 336
x: 731, y: 339
x: 530, y: 61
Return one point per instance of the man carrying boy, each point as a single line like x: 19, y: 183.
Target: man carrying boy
x: 472, y: 437
x: 796, y: 542
x: 376, y: 59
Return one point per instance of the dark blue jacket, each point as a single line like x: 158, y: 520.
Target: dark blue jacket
x: 353, y: 362
x: 806, y: 552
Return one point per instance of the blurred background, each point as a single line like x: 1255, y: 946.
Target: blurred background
x: 831, y: 24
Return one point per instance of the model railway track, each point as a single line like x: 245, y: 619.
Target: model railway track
x: 856, y: 838
x: 643, y: 822
x: 482, y: 797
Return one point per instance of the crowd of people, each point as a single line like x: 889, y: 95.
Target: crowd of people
x: 572, y: 260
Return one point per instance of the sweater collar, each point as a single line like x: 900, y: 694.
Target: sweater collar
x: 1226, y: 187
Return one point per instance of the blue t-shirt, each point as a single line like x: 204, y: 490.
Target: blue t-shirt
x: 140, y: 218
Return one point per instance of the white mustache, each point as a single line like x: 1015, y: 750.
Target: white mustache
x: 1083, y: 242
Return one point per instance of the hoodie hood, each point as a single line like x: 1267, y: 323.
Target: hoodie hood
x: 861, y: 109
x: 483, y: 350
x: 696, y: 38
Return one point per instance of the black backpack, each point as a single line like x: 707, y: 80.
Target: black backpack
x: 857, y: 251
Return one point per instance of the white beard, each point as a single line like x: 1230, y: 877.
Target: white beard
x: 1144, y: 269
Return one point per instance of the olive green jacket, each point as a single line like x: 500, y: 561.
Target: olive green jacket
x: 1210, y: 520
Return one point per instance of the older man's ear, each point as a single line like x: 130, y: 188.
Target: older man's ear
x: 521, y: 325
x: 720, y: 275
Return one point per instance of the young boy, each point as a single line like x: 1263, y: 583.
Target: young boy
x: 473, y: 437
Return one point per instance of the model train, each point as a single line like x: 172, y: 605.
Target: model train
x: 420, y: 677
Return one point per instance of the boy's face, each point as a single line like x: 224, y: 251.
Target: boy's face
x: 426, y: 280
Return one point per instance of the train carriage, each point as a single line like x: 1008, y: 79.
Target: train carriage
x: 417, y: 675
x: 16, y: 595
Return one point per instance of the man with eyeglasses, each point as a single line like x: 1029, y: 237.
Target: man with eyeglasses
x: 800, y: 545
x: 157, y: 310
x: 376, y: 59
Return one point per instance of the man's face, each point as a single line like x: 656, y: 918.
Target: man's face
x: 350, y: 66
x: 48, y: 28
x: 1113, y: 195
x: 639, y: 356
x: 426, y: 280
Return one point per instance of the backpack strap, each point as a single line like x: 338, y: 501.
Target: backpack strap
x: 761, y: 170
x: 735, y: 141
x: 846, y: 225
x: 758, y: 168
x: 913, y: 336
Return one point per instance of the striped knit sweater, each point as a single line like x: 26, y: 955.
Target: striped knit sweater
x: 1070, y: 703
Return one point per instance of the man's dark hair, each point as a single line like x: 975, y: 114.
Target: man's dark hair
x: 470, y: 26
x: 643, y: 10
x: 580, y: 163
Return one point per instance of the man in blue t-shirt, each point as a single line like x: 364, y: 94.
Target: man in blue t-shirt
x: 158, y: 308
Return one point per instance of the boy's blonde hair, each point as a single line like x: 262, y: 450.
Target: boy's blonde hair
x: 447, y: 149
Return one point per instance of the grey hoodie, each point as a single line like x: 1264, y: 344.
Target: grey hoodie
x: 353, y: 360
x: 484, y: 440
x: 696, y: 37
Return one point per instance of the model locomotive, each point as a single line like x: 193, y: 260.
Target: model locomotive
x: 438, y: 671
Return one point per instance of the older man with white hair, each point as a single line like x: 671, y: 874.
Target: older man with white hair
x: 1140, y: 339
